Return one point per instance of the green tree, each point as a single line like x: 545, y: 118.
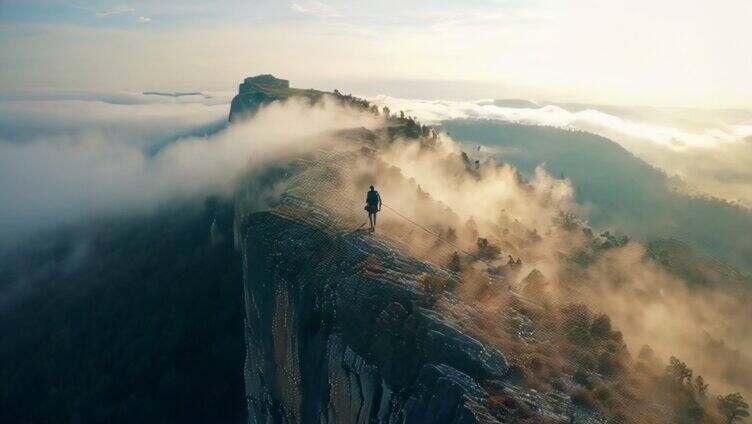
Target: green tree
x: 487, y: 250
x: 678, y: 371
x: 601, y: 327
x: 701, y: 386
x: 577, y: 321
x: 733, y: 407
x: 568, y: 220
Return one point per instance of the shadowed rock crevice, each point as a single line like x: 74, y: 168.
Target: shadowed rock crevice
x: 330, y: 341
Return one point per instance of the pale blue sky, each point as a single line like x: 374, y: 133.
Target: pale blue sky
x: 677, y: 53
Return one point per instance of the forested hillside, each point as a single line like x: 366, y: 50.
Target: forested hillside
x: 129, y: 320
x: 620, y: 190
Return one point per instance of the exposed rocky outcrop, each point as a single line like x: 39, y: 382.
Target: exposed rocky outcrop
x: 256, y: 91
x: 334, y: 339
x: 339, y: 324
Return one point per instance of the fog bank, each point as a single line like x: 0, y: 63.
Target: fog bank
x: 708, y: 150
x: 62, y: 161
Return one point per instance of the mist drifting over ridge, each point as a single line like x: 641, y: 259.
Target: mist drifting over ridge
x: 66, y: 160
x: 122, y: 174
x: 709, y: 150
x: 561, y: 234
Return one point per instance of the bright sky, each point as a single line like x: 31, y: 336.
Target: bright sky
x: 649, y: 52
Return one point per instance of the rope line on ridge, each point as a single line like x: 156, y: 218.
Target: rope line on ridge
x: 436, y: 235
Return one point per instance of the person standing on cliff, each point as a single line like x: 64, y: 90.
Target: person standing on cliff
x: 373, y: 206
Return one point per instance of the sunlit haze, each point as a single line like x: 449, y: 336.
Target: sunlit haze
x: 351, y: 211
x: 667, y: 53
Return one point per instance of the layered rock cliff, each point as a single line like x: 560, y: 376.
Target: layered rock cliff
x: 339, y: 327
x: 333, y: 337
x: 256, y: 91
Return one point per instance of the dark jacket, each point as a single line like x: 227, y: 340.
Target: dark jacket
x: 373, y: 201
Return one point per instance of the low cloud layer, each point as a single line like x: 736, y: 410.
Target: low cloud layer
x: 64, y: 160
x: 143, y: 123
x: 58, y: 166
x: 709, y: 151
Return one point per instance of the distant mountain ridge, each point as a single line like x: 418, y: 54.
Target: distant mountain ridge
x: 621, y: 190
x: 179, y: 94
x: 679, y: 258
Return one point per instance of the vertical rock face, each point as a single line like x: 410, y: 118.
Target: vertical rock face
x: 332, y: 339
x: 257, y: 91
x: 339, y: 325
x: 261, y: 83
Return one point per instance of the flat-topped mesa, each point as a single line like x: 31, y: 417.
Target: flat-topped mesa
x: 262, y: 82
x: 263, y: 89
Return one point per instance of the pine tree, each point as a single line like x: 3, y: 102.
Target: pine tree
x: 733, y: 407
x: 701, y: 386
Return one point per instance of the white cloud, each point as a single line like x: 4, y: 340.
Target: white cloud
x: 144, y: 19
x: 116, y: 10
x: 314, y: 8
x: 684, y: 54
x: 434, y: 111
x: 90, y: 159
x: 710, y: 154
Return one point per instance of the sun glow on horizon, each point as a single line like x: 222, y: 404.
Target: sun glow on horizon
x: 668, y: 54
